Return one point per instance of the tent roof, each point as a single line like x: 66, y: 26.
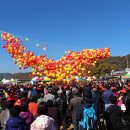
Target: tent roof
x: 126, y: 76
x: 12, y: 80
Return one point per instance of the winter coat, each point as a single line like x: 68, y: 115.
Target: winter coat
x: 27, y: 116
x: 34, y: 93
x: 4, y: 116
x: 54, y: 113
x: 74, y: 103
x: 49, y: 96
x: 96, y: 98
x: 80, y: 109
x: 40, y: 100
x: 43, y: 122
x: 79, y: 112
x: 33, y: 108
x: 106, y: 96
x: 114, y: 114
x: 16, y: 123
x: 61, y: 104
x: 119, y: 120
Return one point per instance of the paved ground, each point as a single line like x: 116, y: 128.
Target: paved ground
x: 70, y: 127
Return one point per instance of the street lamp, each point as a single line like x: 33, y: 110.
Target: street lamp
x: 112, y: 73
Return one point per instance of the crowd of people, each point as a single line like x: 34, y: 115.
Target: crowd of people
x: 50, y: 106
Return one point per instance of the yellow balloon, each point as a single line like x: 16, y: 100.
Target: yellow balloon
x: 79, y: 74
x: 89, y: 72
x: 41, y: 82
x: 40, y: 74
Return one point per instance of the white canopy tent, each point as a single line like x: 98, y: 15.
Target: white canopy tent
x: 12, y: 80
x: 33, y: 80
x: 5, y: 81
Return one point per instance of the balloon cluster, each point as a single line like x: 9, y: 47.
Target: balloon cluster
x: 70, y: 65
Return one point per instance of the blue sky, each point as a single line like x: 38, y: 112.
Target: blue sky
x: 65, y: 25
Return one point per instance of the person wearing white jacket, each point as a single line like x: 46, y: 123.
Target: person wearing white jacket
x: 5, y: 114
x: 43, y: 122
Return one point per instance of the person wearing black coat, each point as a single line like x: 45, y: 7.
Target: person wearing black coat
x: 96, y: 98
x: 61, y: 104
x: 54, y: 113
x: 113, y: 115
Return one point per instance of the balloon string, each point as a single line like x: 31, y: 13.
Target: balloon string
x: 43, y: 43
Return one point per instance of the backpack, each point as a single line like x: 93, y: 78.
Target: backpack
x: 89, y: 119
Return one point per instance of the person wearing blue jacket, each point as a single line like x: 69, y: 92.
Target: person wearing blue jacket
x: 15, y: 122
x: 106, y: 96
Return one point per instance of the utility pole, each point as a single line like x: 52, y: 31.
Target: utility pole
x: 127, y: 62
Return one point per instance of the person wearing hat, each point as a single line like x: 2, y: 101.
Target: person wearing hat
x: 74, y: 103
x: 49, y: 96
x: 41, y: 98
